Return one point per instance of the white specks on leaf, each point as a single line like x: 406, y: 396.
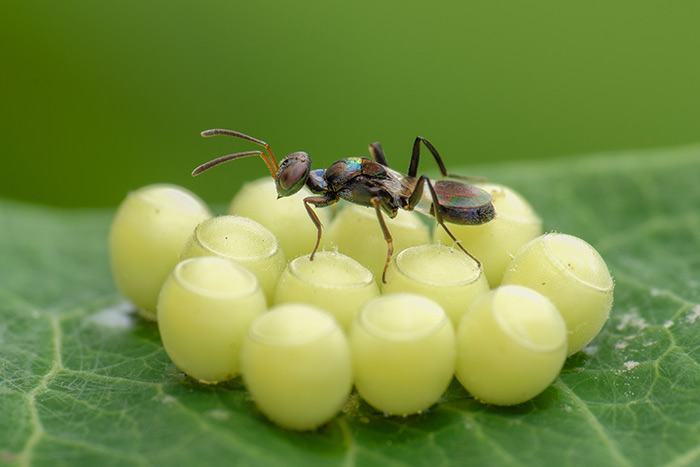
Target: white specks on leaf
x: 168, y: 400
x: 219, y: 414
x: 119, y: 316
x: 694, y: 314
x: 631, y: 319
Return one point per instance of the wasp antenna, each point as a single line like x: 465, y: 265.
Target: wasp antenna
x: 229, y: 157
x: 236, y: 134
x: 269, y: 157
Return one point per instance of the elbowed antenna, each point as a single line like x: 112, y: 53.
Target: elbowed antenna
x: 268, y: 157
x: 229, y: 157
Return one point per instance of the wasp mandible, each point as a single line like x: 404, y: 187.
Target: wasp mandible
x: 371, y: 183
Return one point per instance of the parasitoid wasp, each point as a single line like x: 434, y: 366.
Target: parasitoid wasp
x: 371, y: 183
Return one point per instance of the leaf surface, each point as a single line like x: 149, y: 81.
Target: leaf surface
x: 85, y: 380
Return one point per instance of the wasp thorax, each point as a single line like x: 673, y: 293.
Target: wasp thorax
x: 293, y: 173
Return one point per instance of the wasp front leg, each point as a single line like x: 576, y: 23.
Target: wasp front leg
x: 377, y: 203
x: 319, y: 202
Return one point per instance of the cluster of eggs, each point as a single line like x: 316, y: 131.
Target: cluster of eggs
x: 302, y: 333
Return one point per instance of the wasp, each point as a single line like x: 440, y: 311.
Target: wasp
x: 371, y: 183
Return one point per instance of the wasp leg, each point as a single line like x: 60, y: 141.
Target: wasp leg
x: 417, y: 193
x: 376, y: 202
x: 415, y: 156
x: 437, y: 212
x: 375, y: 149
x: 319, y: 202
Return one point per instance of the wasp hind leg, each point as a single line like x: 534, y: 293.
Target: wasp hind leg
x: 437, y: 212
x: 415, y: 157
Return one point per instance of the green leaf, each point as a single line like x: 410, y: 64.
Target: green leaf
x: 84, y: 380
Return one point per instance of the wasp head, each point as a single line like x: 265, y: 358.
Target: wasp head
x: 292, y: 174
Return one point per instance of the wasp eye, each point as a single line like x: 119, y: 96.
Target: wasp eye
x: 292, y: 174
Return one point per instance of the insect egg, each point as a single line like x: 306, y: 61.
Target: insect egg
x: 243, y: 241
x: 285, y: 217
x: 296, y: 364
x: 441, y: 273
x: 511, y: 345
x: 146, y: 237
x: 204, y: 310
x: 332, y: 281
x: 572, y: 274
x: 403, y: 348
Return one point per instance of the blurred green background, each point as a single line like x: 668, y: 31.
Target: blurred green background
x: 101, y: 97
